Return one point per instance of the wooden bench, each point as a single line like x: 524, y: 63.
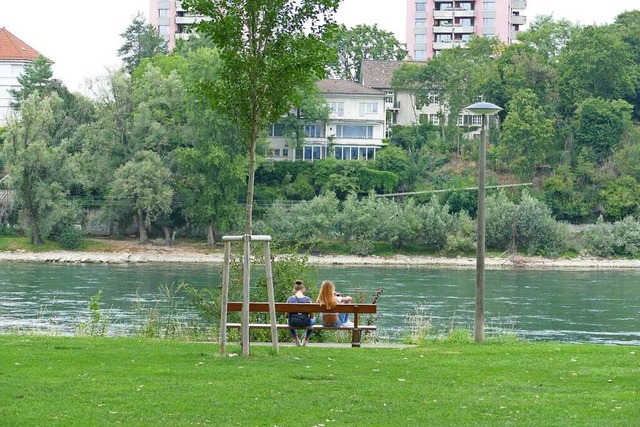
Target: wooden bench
x: 354, y: 309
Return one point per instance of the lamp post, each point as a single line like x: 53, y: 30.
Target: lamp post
x: 485, y: 109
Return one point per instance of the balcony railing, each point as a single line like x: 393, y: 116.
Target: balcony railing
x: 519, y: 4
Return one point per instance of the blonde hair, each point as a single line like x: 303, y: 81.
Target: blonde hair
x: 299, y: 286
x: 326, y: 296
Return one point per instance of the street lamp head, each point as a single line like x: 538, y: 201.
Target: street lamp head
x: 483, y: 108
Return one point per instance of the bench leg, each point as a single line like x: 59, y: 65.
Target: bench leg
x: 355, y: 338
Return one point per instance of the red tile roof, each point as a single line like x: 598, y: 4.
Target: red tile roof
x: 12, y: 48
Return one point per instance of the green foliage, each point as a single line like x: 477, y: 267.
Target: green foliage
x: 437, y: 223
x: 358, y: 222
x: 142, y: 188
x: 621, y: 197
x: 600, y: 125
x: 263, y: 46
x: 462, y: 238
x: 599, y: 240
x: 536, y: 231
x: 34, y: 80
x: 351, y: 46
x: 500, y: 224
x: 141, y: 40
x: 626, y: 237
x: 71, y: 238
x: 40, y: 173
x: 97, y: 323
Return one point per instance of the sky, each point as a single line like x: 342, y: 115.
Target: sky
x: 82, y: 37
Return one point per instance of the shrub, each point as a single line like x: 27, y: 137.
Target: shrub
x: 71, y: 237
x: 501, y: 218
x: 626, y: 237
x: 462, y: 238
x: 599, y: 239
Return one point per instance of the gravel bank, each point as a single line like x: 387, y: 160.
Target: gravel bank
x: 169, y: 255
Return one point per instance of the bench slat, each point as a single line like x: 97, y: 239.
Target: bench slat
x: 283, y: 307
x: 314, y: 327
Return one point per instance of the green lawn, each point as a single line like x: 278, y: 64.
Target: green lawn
x: 69, y: 381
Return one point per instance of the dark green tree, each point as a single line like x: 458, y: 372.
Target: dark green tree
x: 141, y: 40
x: 362, y: 42
x: 35, y: 79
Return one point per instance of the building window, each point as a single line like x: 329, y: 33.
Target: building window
x: 368, y: 108
x: 163, y: 13
x: 276, y: 152
x: 163, y: 29
x: 464, y: 6
x: 460, y: 120
x: 337, y: 108
x: 276, y: 130
x: 354, y: 132
x: 421, y: 38
x: 434, y: 98
x: 488, y: 22
x: 434, y: 119
x: 443, y: 38
x: 313, y: 152
x: 476, y: 120
x: 421, y: 7
x: 489, y: 5
x: 419, y: 54
x: 388, y: 97
x: 285, y: 152
x: 313, y: 131
x: 420, y: 23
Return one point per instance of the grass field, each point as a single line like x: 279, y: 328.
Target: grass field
x: 67, y: 381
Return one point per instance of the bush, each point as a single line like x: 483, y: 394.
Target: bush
x: 71, y: 238
x: 626, y: 237
x: 599, y: 239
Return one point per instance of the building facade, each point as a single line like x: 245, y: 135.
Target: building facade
x: 171, y: 20
x: 14, y: 56
x: 401, y: 104
x: 355, y: 128
x: 435, y: 25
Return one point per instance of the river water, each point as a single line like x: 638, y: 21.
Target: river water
x: 597, y: 306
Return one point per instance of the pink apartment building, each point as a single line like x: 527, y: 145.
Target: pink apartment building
x: 434, y: 25
x: 171, y: 20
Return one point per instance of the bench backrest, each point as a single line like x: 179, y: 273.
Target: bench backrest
x: 283, y: 307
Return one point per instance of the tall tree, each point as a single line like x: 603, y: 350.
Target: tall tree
x: 142, y: 186
x: 38, y: 167
x: 269, y: 50
x: 141, y: 41
x: 362, y: 42
x: 595, y: 63
x: 527, y: 135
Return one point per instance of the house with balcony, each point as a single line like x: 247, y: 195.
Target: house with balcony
x: 401, y: 104
x: 355, y: 129
x: 14, y: 56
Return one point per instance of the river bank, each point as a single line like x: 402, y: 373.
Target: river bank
x: 135, y: 253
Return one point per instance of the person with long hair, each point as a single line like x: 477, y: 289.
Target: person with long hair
x: 330, y: 298
x: 299, y: 297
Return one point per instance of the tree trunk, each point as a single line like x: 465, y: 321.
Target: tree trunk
x: 142, y: 230
x: 211, y: 237
x: 167, y: 235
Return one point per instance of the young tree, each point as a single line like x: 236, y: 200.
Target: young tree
x: 141, y: 41
x: 269, y: 50
x: 362, y: 42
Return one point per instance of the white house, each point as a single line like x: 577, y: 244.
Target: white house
x: 401, y: 103
x: 14, y: 55
x: 355, y: 129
